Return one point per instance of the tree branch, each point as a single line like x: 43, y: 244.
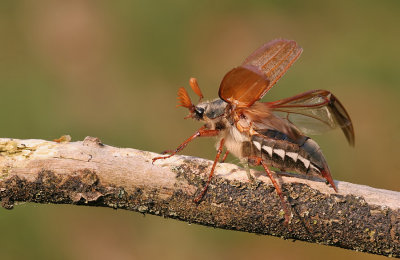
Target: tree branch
x: 90, y: 173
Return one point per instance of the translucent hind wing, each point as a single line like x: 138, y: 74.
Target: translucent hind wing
x: 315, y: 112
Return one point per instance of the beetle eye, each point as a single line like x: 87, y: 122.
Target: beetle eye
x: 199, y: 111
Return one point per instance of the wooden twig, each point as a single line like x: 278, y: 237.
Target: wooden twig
x: 90, y: 173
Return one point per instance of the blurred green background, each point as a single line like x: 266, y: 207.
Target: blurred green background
x: 111, y: 69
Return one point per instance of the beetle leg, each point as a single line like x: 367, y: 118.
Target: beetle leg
x: 167, y: 151
x: 201, y: 195
x: 259, y: 161
x: 224, y: 157
x: 202, y: 132
x: 249, y: 176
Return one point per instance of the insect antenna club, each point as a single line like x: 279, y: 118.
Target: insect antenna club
x: 267, y: 133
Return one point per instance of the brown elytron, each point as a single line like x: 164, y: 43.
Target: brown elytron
x: 267, y: 133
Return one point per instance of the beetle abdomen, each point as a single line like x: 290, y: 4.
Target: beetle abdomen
x: 277, y: 149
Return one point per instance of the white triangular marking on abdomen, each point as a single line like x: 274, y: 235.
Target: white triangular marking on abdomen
x: 314, y: 168
x: 268, y: 149
x: 257, y: 144
x: 280, y: 153
x: 304, y: 161
x: 292, y: 155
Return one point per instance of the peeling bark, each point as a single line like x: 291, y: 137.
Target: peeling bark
x: 90, y: 173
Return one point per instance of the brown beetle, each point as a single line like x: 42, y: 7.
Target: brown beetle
x: 267, y: 133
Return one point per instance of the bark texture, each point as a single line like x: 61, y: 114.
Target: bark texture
x: 90, y: 173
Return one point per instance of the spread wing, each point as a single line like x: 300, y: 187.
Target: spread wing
x: 314, y: 112
x: 244, y: 85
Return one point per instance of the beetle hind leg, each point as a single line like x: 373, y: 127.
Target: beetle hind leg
x: 260, y: 161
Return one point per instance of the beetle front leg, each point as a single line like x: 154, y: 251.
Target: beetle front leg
x: 202, y: 132
x: 219, y: 151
